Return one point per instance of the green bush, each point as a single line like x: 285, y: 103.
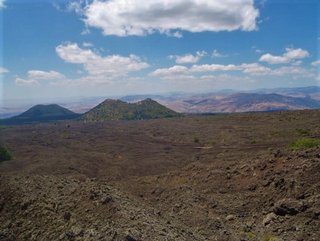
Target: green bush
x: 305, y: 143
x: 4, y: 154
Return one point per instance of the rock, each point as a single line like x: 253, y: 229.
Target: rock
x: 230, y: 217
x: 269, y: 219
x: 106, y: 199
x: 277, y: 154
x: 67, y: 216
x: 289, y: 206
x: 130, y: 238
x: 133, y: 235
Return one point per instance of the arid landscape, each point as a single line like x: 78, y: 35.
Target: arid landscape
x: 159, y: 120
x: 217, y: 177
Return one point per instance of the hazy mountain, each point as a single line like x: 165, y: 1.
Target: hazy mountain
x: 120, y: 110
x: 136, y: 98
x: 219, y: 101
x: 41, y: 113
x: 243, y: 102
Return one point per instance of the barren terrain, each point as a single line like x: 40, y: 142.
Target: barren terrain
x: 221, y: 177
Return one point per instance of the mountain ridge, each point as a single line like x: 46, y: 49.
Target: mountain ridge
x: 120, y: 110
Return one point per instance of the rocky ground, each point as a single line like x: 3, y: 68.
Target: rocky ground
x: 263, y: 191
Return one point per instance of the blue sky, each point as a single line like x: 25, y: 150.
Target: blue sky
x: 54, y: 49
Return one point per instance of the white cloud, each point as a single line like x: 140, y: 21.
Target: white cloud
x: 35, y: 76
x: 175, y: 70
x: 133, y: 17
x: 111, y: 66
x: 252, y: 69
x: 98, y: 70
x: 216, y: 54
x: 72, y: 53
x: 255, y: 69
x: 3, y: 70
x: 75, y: 6
x: 292, y: 70
x: 296, y: 63
x: 2, y: 5
x: 44, y: 75
x: 214, y: 67
x: 188, y: 58
x: 25, y: 82
x: 316, y: 63
x: 289, y: 56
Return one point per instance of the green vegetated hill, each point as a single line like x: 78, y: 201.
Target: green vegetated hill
x: 41, y: 113
x: 119, y: 110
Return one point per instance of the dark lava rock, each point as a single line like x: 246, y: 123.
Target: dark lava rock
x: 67, y: 216
x: 289, y: 207
x: 131, y: 238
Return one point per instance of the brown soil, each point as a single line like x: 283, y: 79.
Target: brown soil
x: 228, y: 177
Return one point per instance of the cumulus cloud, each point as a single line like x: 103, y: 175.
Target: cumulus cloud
x: 111, y: 66
x: 44, y: 75
x: 3, y: 70
x: 175, y: 70
x: 188, y: 58
x: 255, y: 69
x: 25, y: 82
x: 214, y: 67
x: 99, y: 69
x: 133, y: 17
x: 35, y: 76
x: 251, y: 69
x: 289, y: 56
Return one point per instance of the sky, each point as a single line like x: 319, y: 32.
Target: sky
x: 59, y: 49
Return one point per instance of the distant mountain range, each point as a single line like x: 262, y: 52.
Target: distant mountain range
x: 120, y: 110
x: 247, y: 102
x: 234, y: 101
x: 170, y: 105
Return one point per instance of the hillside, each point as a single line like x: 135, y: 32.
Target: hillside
x: 204, y: 178
x: 41, y: 113
x: 119, y: 110
x: 241, y: 102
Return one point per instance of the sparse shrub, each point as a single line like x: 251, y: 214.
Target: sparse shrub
x: 4, y: 154
x: 253, y: 142
x: 250, y: 235
x: 270, y: 237
x: 196, y: 139
x: 305, y: 143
